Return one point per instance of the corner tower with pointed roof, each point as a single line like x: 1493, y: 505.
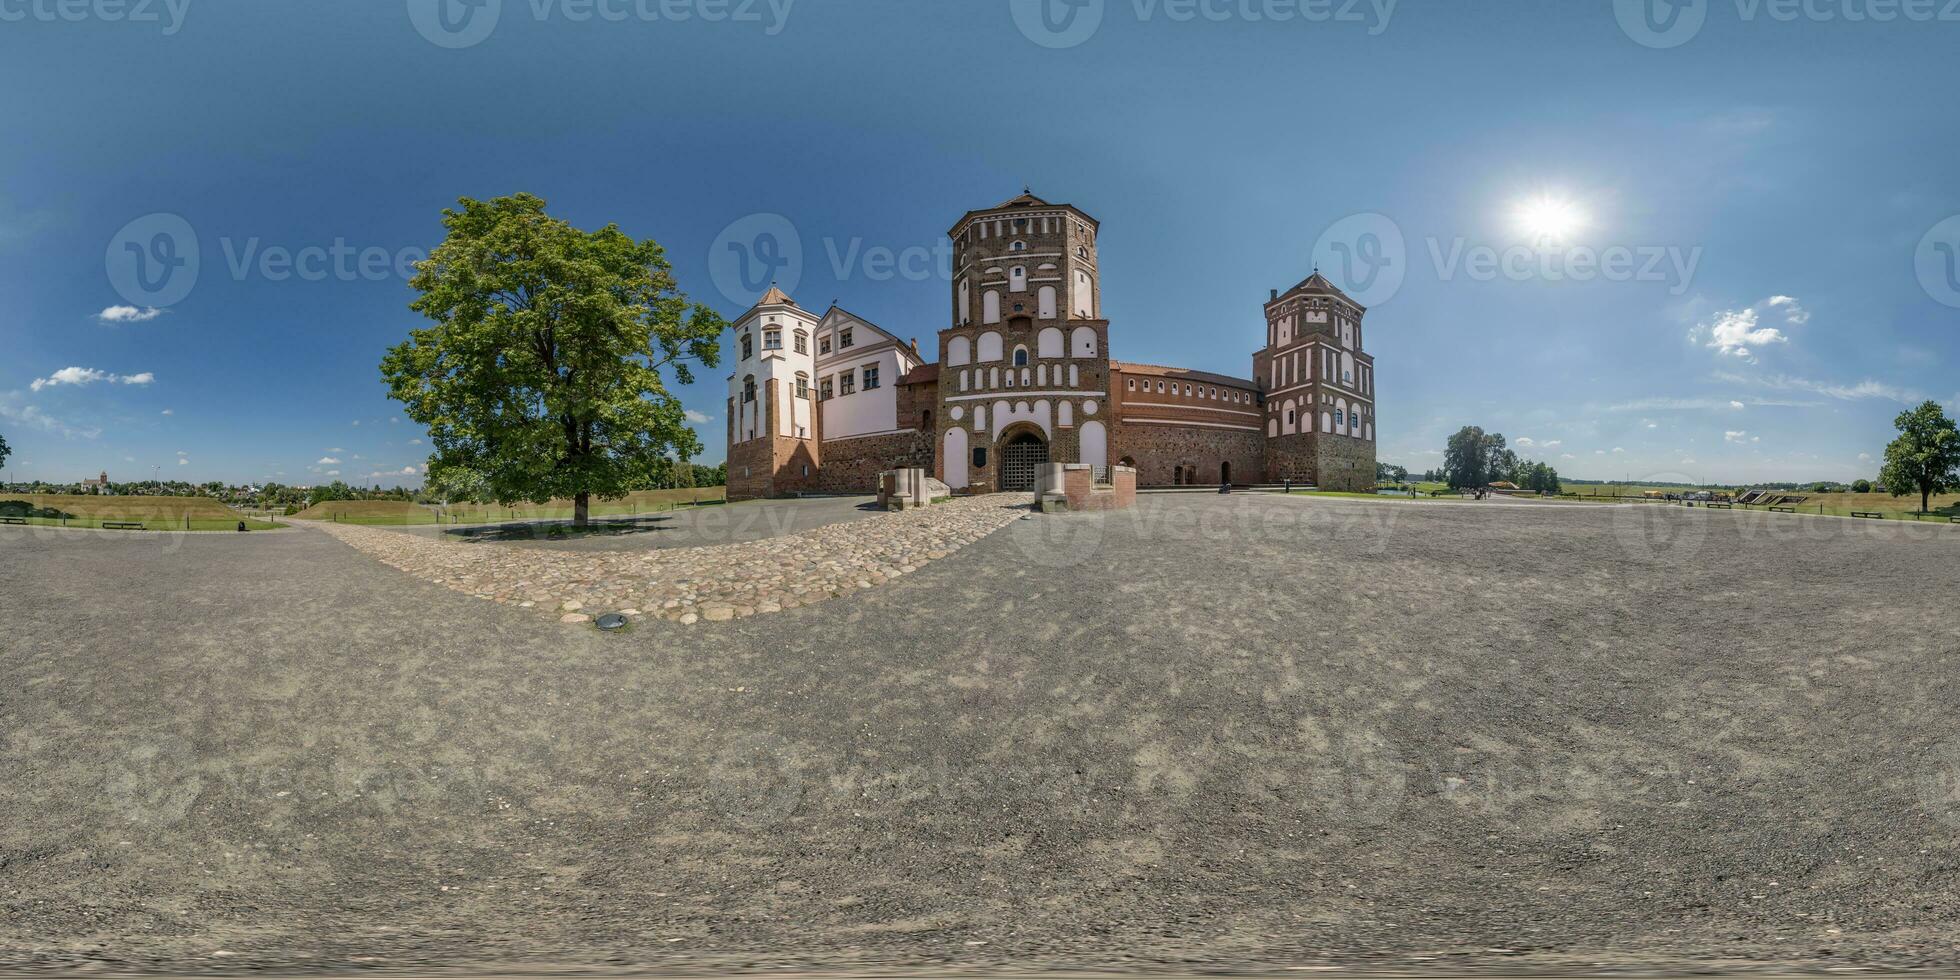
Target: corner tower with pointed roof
x: 1320, y: 388
x: 1024, y: 367
x: 773, y: 427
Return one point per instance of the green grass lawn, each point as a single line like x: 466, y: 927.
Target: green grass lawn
x: 154, y: 513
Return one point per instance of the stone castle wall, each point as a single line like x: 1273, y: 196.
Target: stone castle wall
x: 853, y: 465
x: 1159, y: 451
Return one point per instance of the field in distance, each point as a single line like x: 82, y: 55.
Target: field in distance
x: 406, y: 512
x: 154, y: 513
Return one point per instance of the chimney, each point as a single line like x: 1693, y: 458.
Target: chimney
x: 915, y: 347
x: 1274, y: 296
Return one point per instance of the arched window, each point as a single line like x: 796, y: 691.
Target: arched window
x: 1018, y: 247
x: 1021, y: 356
x: 748, y: 387
x: 748, y: 345
x: 990, y: 306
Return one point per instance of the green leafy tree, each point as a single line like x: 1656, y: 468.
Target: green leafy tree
x: 1925, y: 457
x: 5, y: 451
x: 1861, y: 486
x: 542, y: 372
x: 1473, y: 458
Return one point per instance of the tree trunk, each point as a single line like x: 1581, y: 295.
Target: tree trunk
x: 581, y: 509
x: 1925, y: 500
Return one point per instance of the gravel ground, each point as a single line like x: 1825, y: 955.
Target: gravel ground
x: 1214, y: 733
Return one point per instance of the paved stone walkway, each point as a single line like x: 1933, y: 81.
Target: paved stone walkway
x: 688, y: 585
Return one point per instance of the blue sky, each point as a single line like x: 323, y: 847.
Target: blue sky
x: 1766, y: 188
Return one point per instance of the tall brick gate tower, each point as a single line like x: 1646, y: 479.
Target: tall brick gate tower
x: 1024, y: 370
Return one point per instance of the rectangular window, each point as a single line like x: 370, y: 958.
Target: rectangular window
x: 823, y: 390
x: 802, y: 342
x: 847, y: 383
x: 802, y: 386
x: 843, y: 339
x: 870, y: 376
x: 823, y: 344
x: 772, y: 340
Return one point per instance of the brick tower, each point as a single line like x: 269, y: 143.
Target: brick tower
x: 1320, y: 388
x: 1024, y: 369
x: 773, y: 426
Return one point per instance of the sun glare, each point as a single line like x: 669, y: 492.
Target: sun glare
x: 1549, y: 219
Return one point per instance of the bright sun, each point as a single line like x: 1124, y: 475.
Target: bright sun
x: 1549, y: 218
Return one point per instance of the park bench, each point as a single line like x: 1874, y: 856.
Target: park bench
x: 1953, y: 520
x: 13, y: 520
x: 1868, y: 515
x: 122, y: 525
x: 1719, y: 506
x: 1784, y: 510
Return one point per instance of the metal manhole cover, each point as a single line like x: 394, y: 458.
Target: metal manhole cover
x: 610, y: 621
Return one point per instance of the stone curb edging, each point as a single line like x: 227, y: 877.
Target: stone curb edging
x: 713, y: 583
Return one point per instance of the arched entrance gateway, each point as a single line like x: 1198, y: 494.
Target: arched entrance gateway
x: 1022, y: 454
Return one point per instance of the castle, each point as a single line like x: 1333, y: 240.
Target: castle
x: 824, y: 403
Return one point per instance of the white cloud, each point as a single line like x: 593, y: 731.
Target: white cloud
x: 128, y: 314
x: 415, y: 442
x: 697, y: 417
x: 1618, y: 449
x: 1551, y: 444
x: 326, y: 461
x: 1867, y: 388
x: 333, y: 472
x: 1689, y: 461
x: 1736, y: 435
x: 1864, y: 457
x: 357, y: 421
x: 1793, y: 311
x: 408, y: 471
x: 1734, y: 332
x: 336, y: 449
x: 169, y: 411
x: 87, y: 376
x: 1526, y: 442
x: 183, y: 462
x: 31, y: 416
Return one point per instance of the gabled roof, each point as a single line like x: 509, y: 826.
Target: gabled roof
x: 926, y: 373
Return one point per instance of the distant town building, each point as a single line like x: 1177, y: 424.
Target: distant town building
x: 98, y: 485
